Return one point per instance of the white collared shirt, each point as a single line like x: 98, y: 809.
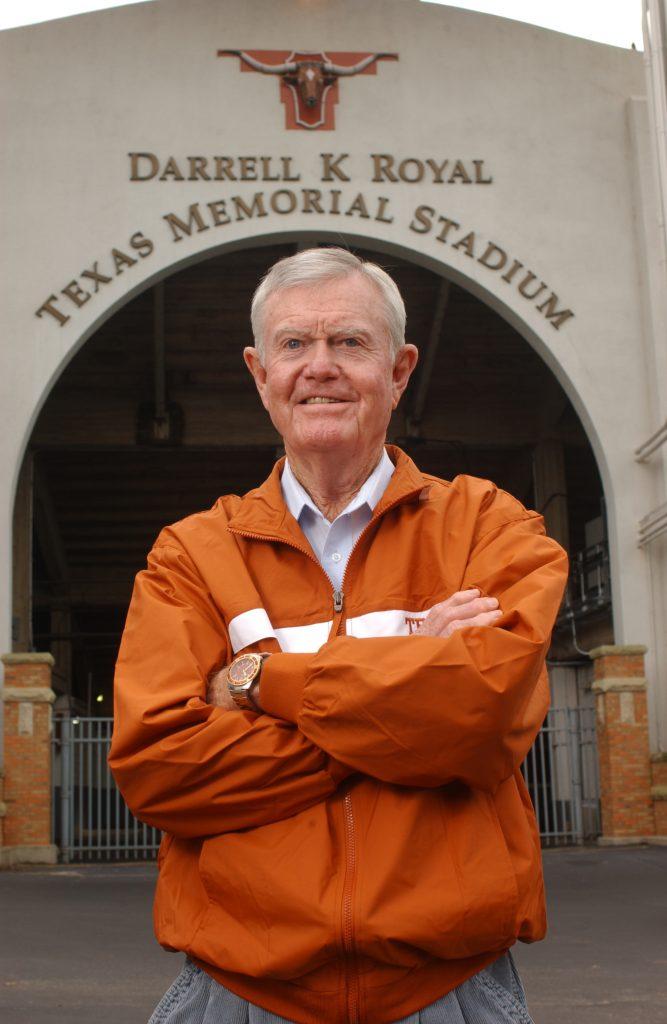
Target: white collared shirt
x: 332, y: 543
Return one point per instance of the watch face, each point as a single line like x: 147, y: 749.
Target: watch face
x: 243, y: 669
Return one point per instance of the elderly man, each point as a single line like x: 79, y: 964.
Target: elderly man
x: 324, y: 692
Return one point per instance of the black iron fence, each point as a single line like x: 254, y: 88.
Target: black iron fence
x: 91, y: 821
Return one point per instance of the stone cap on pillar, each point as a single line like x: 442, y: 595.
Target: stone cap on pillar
x: 27, y: 658
x: 618, y: 650
x: 28, y: 676
x: 618, y: 668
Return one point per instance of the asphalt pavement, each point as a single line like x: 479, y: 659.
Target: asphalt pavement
x: 77, y: 946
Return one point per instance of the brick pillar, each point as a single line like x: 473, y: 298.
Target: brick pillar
x: 659, y: 793
x: 3, y: 811
x: 27, y: 783
x: 623, y: 746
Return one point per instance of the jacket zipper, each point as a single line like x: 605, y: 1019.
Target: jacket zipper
x: 352, y: 986
x: 339, y: 595
x: 351, y: 974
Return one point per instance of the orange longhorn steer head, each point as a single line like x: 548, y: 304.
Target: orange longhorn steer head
x: 309, y: 81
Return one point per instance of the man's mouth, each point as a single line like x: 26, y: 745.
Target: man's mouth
x: 321, y: 400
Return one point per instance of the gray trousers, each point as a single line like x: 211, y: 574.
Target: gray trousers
x: 493, y: 996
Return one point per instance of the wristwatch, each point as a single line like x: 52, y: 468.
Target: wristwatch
x: 242, y: 678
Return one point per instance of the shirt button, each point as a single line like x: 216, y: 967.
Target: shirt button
x: 336, y: 556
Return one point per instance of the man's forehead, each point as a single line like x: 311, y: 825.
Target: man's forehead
x: 305, y: 305
x: 317, y: 318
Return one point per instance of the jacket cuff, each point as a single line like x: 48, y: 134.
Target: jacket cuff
x: 281, y: 684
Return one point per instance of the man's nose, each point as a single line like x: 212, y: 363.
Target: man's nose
x: 321, y: 362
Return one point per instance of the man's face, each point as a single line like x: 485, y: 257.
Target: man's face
x: 329, y: 381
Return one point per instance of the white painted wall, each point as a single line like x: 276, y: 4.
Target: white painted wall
x: 550, y: 115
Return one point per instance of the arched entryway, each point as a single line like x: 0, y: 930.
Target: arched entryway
x: 155, y: 416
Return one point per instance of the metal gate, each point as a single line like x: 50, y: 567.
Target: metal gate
x: 561, y: 772
x: 91, y: 821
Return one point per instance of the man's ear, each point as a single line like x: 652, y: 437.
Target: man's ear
x: 406, y: 360
x: 252, y: 361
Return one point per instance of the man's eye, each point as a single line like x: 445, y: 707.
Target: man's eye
x: 293, y: 343
x: 350, y: 342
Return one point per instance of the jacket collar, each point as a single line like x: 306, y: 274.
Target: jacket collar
x: 263, y: 512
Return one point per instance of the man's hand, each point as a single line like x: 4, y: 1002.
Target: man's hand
x: 217, y: 691
x: 464, y: 608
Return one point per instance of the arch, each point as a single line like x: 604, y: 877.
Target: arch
x: 375, y: 244
x: 439, y: 268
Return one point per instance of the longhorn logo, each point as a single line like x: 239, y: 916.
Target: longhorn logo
x: 308, y: 80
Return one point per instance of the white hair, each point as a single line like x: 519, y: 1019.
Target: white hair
x: 325, y: 264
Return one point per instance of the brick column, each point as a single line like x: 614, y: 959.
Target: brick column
x: 3, y: 811
x: 623, y: 745
x: 659, y: 794
x: 27, y: 783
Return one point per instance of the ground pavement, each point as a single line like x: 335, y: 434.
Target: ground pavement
x: 76, y: 943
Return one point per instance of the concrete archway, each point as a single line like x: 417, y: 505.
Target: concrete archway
x: 201, y: 268
x: 510, y: 314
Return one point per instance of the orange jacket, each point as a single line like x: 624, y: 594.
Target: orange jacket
x: 367, y: 843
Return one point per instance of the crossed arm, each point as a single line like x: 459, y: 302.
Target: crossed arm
x: 450, y: 703
x: 464, y: 608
